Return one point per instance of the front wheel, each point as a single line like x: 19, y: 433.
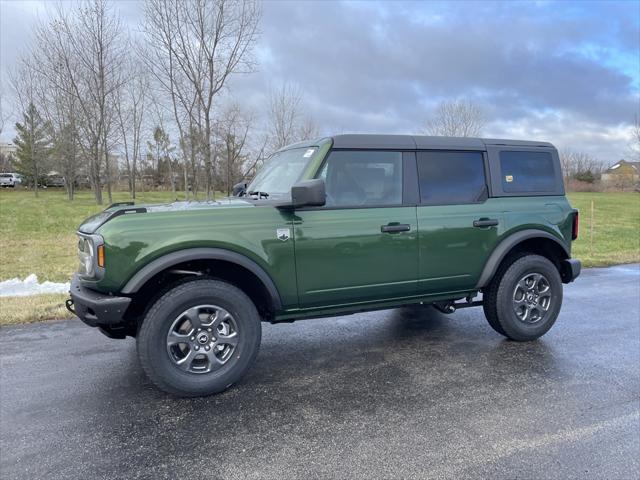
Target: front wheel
x: 523, y: 301
x: 199, y: 338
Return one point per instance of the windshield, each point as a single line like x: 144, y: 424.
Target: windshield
x: 280, y: 172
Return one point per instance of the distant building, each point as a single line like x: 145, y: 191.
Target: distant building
x: 622, y: 175
x: 8, y: 149
x: 7, y: 155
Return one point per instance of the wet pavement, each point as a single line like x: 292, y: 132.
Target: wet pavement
x: 404, y: 393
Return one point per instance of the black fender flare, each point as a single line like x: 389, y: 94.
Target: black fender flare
x: 505, y: 246
x: 174, y: 258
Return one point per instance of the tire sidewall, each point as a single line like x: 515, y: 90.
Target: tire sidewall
x: 513, y: 327
x: 152, y: 338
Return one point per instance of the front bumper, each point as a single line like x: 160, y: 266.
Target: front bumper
x: 94, y: 308
x: 570, y: 269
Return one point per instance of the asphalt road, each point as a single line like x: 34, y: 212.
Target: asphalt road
x: 400, y: 393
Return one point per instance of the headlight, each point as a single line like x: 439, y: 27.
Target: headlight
x: 88, y: 248
x: 86, y: 257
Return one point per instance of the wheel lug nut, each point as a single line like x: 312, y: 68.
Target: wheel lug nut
x: 193, y: 338
x: 208, y: 329
x: 197, y: 347
x: 207, y: 348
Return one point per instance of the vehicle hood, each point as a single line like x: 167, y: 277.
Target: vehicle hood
x: 91, y: 224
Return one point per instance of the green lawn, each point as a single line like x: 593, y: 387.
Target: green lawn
x: 38, y: 236
x: 616, y: 228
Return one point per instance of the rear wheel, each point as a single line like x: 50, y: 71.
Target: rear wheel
x: 199, y: 338
x: 524, y: 298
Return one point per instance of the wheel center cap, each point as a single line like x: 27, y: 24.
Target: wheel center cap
x: 202, y: 338
x: 530, y: 297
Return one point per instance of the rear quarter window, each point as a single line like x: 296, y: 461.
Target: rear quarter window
x: 524, y: 171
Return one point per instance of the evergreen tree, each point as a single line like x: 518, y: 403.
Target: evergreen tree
x: 33, y: 146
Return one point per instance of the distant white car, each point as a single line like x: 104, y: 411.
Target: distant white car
x: 10, y: 179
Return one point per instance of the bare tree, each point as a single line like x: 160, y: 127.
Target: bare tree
x: 284, y: 115
x: 256, y: 157
x: 158, y: 55
x: 456, y: 118
x: 59, y: 108
x: 5, y: 111
x: 232, y: 132
x: 309, y: 129
x: 576, y: 164
x: 199, y: 44
x: 286, y: 122
x: 130, y: 106
x: 81, y: 51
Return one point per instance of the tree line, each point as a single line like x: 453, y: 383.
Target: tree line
x: 154, y: 104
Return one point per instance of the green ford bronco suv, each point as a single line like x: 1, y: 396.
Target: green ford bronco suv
x: 330, y: 227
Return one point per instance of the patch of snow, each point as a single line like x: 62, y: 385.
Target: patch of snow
x: 30, y: 286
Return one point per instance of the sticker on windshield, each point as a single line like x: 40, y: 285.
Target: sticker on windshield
x: 309, y: 152
x: 509, y: 178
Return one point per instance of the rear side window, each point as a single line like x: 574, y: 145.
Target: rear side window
x: 524, y: 171
x: 451, y: 177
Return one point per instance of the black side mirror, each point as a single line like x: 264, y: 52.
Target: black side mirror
x: 308, y: 193
x: 239, y: 189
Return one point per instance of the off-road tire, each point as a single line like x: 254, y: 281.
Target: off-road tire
x: 152, y: 338
x: 498, y: 297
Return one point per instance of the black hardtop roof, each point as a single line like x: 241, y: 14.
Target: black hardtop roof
x: 413, y: 142
x: 425, y: 142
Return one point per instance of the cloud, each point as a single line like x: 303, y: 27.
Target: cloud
x: 560, y: 71
x: 384, y: 67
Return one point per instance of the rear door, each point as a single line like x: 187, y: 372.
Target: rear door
x: 362, y: 245
x: 458, y: 225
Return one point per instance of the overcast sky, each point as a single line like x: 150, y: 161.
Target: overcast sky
x: 564, y: 72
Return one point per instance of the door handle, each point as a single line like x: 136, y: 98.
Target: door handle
x: 395, y: 228
x: 485, y: 222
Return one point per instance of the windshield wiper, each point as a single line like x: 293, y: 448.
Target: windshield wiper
x: 259, y: 194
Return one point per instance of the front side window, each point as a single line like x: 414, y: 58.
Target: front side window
x: 281, y: 172
x: 524, y: 171
x: 363, y: 178
x: 451, y: 177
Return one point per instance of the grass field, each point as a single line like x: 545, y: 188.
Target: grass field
x: 38, y: 236
x: 616, y: 228
x: 33, y: 308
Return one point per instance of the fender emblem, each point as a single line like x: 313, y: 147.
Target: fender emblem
x: 283, y: 234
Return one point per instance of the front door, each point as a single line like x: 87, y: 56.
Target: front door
x: 362, y: 245
x: 458, y: 225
